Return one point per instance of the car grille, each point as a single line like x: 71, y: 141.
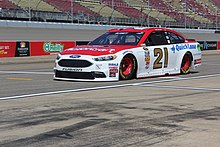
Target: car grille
x: 74, y: 75
x: 74, y: 63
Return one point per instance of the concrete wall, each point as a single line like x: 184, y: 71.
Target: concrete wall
x: 15, y: 30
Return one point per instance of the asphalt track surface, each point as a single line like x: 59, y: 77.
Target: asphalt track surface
x: 181, y: 110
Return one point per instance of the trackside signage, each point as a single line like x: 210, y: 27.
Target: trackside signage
x: 208, y: 45
x: 50, y: 47
x: 7, y: 49
x: 39, y: 48
x: 33, y: 48
x: 22, y: 49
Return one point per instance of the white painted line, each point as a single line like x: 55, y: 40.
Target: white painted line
x: 105, y: 87
x: 169, y: 77
x: 27, y: 72
x: 63, y: 91
x: 177, y: 79
x: 182, y: 87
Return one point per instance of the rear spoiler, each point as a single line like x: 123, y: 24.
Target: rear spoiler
x: 191, y: 40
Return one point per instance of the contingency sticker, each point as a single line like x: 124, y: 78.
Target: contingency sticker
x: 113, y: 69
x: 147, y: 58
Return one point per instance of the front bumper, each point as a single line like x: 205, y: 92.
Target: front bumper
x: 96, y: 71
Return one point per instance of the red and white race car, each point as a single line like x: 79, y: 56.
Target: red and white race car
x: 122, y: 54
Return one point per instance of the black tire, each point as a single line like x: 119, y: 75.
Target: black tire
x: 127, y: 69
x: 186, y: 64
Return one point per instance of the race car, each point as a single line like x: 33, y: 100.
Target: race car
x: 128, y: 53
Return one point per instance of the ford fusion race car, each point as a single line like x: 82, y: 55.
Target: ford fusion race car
x: 122, y: 54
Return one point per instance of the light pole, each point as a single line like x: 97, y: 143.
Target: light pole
x: 29, y: 9
x: 112, y: 10
x: 216, y: 18
x: 185, y: 12
x: 71, y: 3
x: 148, y: 18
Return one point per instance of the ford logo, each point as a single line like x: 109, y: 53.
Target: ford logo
x: 75, y: 56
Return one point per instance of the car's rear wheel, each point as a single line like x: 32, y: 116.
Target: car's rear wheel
x: 186, y: 63
x: 127, y: 68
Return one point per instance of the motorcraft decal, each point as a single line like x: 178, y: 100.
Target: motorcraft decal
x: 72, y: 69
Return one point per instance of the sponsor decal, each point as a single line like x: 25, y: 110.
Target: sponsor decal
x: 50, y: 47
x: 198, y: 47
x: 113, y: 64
x: 92, y: 50
x: 147, y: 58
x: 22, y: 49
x: 113, y: 69
x: 75, y: 56
x: 72, y: 69
x: 208, y: 45
x: 179, y: 47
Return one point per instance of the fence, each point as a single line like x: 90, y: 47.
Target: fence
x: 113, y: 12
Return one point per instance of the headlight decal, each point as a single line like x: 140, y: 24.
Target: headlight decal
x: 105, y: 58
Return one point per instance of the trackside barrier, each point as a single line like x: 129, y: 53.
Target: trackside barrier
x: 33, y: 48
x: 218, y: 45
x: 209, y: 45
x: 40, y: 48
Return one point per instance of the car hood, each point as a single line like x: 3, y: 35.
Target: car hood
x: 95, y: 50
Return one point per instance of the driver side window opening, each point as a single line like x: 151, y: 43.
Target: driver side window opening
x: 173, y: 38
x: 156, y: 38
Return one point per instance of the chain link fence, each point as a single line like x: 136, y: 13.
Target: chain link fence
x: 109, y: 12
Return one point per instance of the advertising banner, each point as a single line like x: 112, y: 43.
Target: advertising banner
x: 22, y: 49
x: 208, y: 45
x: 50, y: 47
x: 7, y: 49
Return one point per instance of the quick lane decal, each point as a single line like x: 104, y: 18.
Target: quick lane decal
x: 179, y: 47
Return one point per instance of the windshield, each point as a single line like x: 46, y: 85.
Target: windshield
x: 118, y: 38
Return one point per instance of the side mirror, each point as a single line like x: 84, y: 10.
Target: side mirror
x: 144, y: 46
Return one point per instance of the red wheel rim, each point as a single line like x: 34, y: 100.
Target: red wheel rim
x: 126, y: 66
x: 186, y: 63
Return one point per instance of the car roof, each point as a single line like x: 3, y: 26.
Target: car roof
x: 140, y: 30
x: 145, y: 30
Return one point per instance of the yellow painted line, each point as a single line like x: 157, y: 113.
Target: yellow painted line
x: 20, y: 79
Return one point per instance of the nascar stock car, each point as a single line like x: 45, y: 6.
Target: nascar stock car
x: 122, y: 54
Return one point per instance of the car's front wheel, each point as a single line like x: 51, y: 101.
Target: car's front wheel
x: 186, y: 63
x: 127, y: 68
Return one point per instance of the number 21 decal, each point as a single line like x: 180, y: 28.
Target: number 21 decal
x: 158, y: 52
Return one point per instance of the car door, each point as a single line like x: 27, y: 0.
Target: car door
x: 156, y: 48
x: 173, y: 40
